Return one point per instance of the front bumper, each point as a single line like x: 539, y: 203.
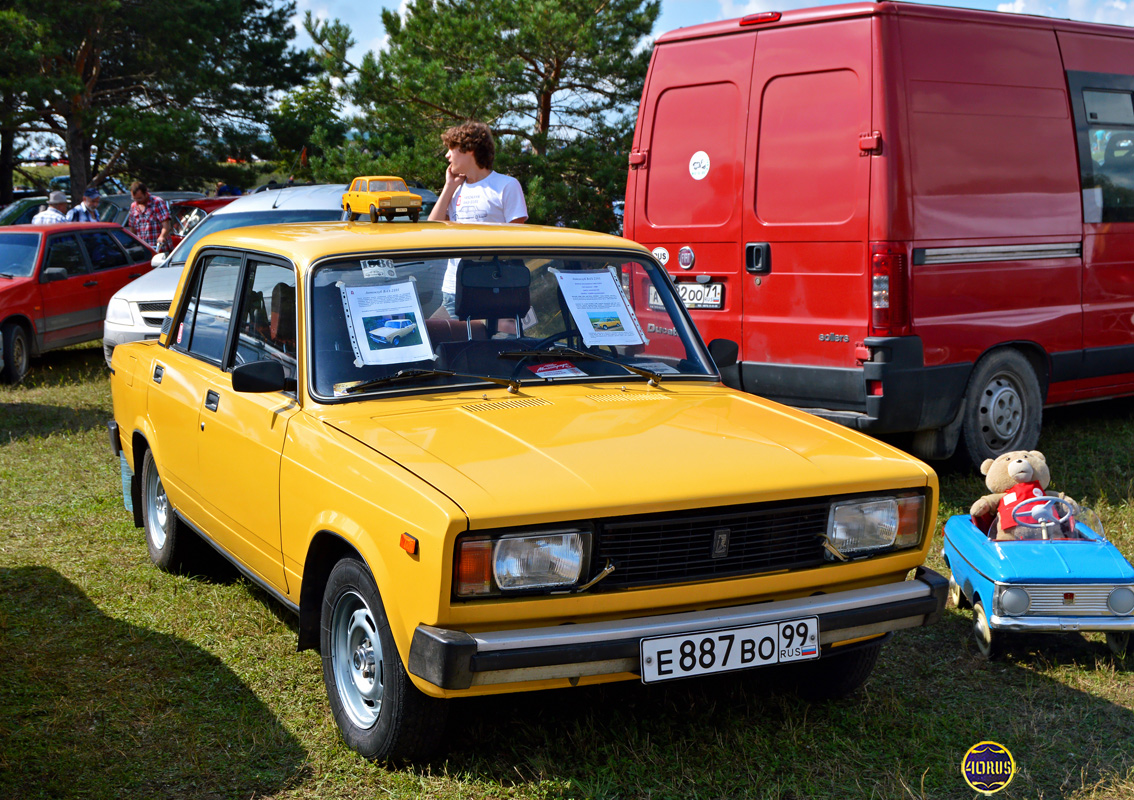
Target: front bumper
x: 1060, y: 624
x: 451, y: 659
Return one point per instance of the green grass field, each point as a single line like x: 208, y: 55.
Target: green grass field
x: 119, y: 681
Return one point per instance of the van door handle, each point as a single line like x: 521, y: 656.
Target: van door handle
x: 159, y: 370
x: 212, y: 400
x: 758, y: 257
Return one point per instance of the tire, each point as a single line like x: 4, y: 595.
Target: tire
x: 837, y: 675
x: 390, y: 216
x: 173, y: 547
x: 380, y: 713
x: 1118, y: 642
x: 989, y: 643
x: 351, y: 215
x: 396, y: 341
x: 414, y: 216
x: 956, y: 597
x: 1003, y: 407
x: 17, y: 353
x: 373, y: 214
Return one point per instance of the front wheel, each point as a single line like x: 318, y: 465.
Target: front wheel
x: 414, y: 216
x: 838, y: 674
x: 988, y: 642
x: 380, y: 713
x: 17, y: 353
x: 1118, y: 642
x: 1003, y: 406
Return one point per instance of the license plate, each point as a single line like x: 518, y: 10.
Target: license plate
x: 665, y: 658
x: 693, y: 295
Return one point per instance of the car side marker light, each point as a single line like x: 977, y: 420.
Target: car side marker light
x: 409, y: 544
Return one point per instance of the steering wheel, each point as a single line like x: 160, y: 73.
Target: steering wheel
x: 1042, y: 512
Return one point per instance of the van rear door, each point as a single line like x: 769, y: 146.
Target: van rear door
x: 686, y: 173
x: 808, y: 160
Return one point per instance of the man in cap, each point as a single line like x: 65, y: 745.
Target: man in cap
x: 55, y: 212
x: 87, y: 209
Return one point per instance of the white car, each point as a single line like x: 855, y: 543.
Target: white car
x: 138, y: 310
x: 393, y: 331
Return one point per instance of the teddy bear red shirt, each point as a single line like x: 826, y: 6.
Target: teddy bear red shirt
x: 1013, y: 497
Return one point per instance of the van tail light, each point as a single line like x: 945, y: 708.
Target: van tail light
x: 760, y: 18
x: 889, y: 282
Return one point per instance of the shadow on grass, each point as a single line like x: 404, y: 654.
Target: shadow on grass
x: 32, y: 420
x: 748, y: 735
x: 78, y: 364
x: 120, y: 711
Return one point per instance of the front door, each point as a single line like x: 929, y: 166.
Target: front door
x: 71, y: 310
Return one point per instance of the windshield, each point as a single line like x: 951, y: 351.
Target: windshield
x: 392, y: 324
x: 17, y: 254
x: 222, y: 222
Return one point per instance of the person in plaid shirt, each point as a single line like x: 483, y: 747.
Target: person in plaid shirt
x: 149, y: 217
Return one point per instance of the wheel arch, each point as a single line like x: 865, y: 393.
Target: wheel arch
x: 326, y: 549
x: 1036, y: 355
x: 25, y: 322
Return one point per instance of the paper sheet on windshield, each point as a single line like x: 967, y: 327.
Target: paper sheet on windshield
x: 385, y: 323
x: 599, y: 307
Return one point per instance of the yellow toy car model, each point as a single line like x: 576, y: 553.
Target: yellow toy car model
x: 511, y: 498
x: 381, y: 195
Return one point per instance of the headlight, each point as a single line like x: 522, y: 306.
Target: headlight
x: 1014, y: 600
x: 870, y: 525
x: 118, y: 312
x: 385, y: 203
x: 1121, y: 600
x: 539, y: 560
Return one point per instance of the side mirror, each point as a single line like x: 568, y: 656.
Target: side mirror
x: 259, y: 377
x: 724, y: 352
x: 52, y: 274
x: 159, y: 259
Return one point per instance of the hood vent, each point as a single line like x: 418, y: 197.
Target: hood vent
x: 525, y: 402
x: 625, y: 397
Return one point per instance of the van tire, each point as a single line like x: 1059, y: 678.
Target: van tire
x: 1003, y: 407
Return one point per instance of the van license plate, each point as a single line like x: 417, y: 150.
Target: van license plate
x: 693, y: 295
x: 664, y: 658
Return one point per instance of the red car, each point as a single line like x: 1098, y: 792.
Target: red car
x: 55, y: 282
x: 187, y: 214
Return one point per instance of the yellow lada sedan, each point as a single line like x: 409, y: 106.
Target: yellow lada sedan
x: 519, y: 495
x: 381, y: 195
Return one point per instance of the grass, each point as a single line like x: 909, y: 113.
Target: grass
x: 117, y: 680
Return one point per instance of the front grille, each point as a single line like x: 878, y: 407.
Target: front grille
x: 1068, y: 600
x: 653, y: 549
x: 150, y: 308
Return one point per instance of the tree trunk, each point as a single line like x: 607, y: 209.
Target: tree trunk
x: 7, y: 154
x: 78, y: 154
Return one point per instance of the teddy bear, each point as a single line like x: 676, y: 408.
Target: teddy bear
x: 1012, y: 478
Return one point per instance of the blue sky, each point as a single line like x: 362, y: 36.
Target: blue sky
x: 370, y: 35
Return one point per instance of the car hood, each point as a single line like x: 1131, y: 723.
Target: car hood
x: 156, y: 285
x: 590, y: 450
x: 1061, y: 560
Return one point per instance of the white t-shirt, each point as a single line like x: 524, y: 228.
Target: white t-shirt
x: 494, y: 198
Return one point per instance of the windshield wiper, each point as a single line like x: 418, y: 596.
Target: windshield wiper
x: 411, y: 374
x: 7, y: 275
x: 558, y: 352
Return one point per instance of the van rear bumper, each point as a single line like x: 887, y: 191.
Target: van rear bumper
x: 903, y: 395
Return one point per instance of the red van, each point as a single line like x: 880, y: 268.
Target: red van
x: 911, y: 219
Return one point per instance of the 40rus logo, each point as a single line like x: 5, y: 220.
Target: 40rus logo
x: 988, y: 767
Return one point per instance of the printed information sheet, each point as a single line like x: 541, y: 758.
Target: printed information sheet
x: 385, y: 323
x: 599, y: 307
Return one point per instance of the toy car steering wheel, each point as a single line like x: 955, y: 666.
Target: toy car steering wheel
x: 1043, y: 511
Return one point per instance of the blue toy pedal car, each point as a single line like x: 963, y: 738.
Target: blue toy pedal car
x: 1058, y: 574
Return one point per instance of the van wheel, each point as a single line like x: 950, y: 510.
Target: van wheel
x: 1003, y: 407
x: 838, y: 674
x: 17, y: 353
x: 380, y: 713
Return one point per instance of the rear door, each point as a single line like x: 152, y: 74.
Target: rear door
x: 111, y: 267
x: 688, y: 182
x: 807, y: 188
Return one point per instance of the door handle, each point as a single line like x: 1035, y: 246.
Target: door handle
x: 134, y: 275
x: 90, y: 283
x: 212, y: 400
x: 758, y: 257
x: 159, y: 370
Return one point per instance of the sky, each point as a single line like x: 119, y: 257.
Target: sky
x: 370, y: 35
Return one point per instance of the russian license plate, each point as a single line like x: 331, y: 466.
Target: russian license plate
x: 402, y: 210
x: 685, y: 655
x: 693, y: 295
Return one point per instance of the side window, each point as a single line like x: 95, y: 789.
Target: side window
x: 64, y: 252
x: 203, y: 330
x: 134, y: 248
x: 104, y: 253
x: 268, y: 316
x: 1104, y: 123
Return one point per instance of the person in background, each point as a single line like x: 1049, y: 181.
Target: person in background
x: 87, y: 209
x: 473, y: 192
x: 149, y: 217
x: 55, y: 212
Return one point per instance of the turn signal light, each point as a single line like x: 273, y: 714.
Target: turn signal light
x: 474, y: 567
